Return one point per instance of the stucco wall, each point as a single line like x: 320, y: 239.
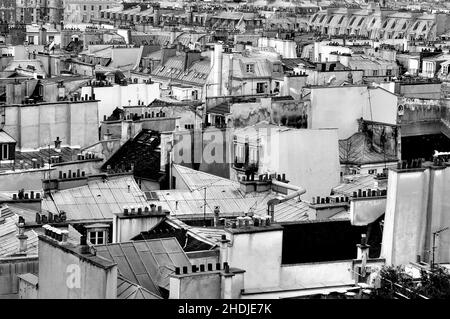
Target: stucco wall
x: 341, y: 107
x: 37, y: 125
x: 309, y: 158
x: 202, y: 286
x: 118, y: 95
x: 405, y: 217
x: 440, y: 209
x: 260, y: 255
x: 55, y: 267
x: 126, y: 228
x: 316, y: 274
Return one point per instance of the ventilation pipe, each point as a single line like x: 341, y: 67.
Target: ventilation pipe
x: 298, y: 191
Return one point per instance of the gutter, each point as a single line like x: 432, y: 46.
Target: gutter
x: 298, y: 191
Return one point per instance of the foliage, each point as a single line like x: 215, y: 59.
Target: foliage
x: 396, y: 282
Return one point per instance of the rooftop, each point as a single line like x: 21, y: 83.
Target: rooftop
x: 99, y: 200
x: 147, y: 263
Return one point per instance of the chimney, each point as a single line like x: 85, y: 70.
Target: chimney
x: 216, y: 216
x: 21, y: 236
x: 57, y: 144
x: 84, y: 248
x: 217, y: 69
x: 363, y: 254
x: 190, y: 57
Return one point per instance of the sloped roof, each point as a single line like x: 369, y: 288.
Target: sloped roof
x: 9, y: 244
x: 227, y: 195
x: 173, y: 70
x: 98, y: 200
x: 129, y: 290
x: 362, y: 182
x: 5, y: 137
x: 147, y: 263
x: 357, y: 150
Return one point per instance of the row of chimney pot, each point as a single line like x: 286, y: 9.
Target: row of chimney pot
x: 414, y: 163
x: 202, y: 268
x: 145, y: 115
x: 31, y: 195
x: 55, y: 233
x: 86, y: 97
x: 370, y: 193
x: 88, y: 155
x: 265, y: 177
x: 71, y: 174
x: 329, y: 200
x: 247, y: 221
x: 51, y: 218
x: 139, y: 210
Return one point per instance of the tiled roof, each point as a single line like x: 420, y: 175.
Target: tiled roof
x: 147, y: 263
x: 98, y: 200
x: 357, y: 150
x: 9, y: 244
x: 173, y: 70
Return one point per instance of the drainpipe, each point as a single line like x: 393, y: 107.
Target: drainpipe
x: 298, y: 191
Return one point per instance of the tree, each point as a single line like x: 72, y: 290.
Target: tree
x: 395, y: 283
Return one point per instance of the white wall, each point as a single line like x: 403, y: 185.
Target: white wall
x: 118, y: 96
x: 311, y: 275
x: 260, y: 255
x: 405, y: 217
x: 340, y: 107
x: 35, y: 126
x: 309, y: 158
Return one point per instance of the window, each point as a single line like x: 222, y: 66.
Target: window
x: 92, y: 8
x: 277, y: 68
x: 375, y: 72
x: 97, y: 237
x: 84, y: 8
x: 250, y: 68
x: 372, y: 171
x: 388, y: 72
x: 260, y: 87
x: 340, y: 20
x: 99, y: 8
x: 30, y: 39
x: 4, y: 152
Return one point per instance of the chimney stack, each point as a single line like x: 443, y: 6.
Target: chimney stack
x: 21, y: 236
x: 216, y: 216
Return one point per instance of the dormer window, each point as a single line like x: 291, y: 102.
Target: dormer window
x: 277, y: 68
x: 97, y: 234
x: 250, y: 68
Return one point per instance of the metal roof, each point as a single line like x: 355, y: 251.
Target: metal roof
x: 128, y: 290
x: 98, y: 200
x: 188, y: 204
x: 6, y: 138
x: 9, y: 244
x: 363, y: 182
x: 147, y: 263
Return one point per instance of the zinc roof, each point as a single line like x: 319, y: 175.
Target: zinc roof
x: 147, y: 263
x: 129, y: 290
x: 98, y: 200
x: 9, y: 244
